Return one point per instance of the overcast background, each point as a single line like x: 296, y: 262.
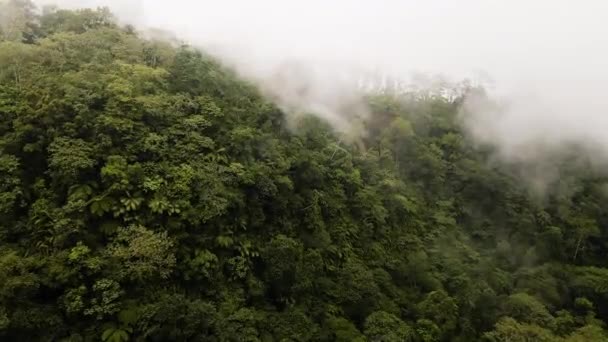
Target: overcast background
x: 547, y: 59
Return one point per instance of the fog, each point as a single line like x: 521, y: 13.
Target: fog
x: 545, y: 62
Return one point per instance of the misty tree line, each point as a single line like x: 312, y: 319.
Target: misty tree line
x: 148, y: 193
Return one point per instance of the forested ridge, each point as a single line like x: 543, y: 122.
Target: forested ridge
x: 149, y: 194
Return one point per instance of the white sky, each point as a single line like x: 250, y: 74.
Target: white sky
x: 498, y: 36
x: 549, y: 58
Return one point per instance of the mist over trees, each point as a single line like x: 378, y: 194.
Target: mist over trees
x: 148, y: 193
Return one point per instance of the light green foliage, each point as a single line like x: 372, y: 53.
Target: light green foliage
x: 526, y: 308
x: 115, y: 335
x: 427, y: 331
x: 10, y: 187
x: 105, y: 300
x: 508, y: 329
x: 149, y: 194
x: 18, y: 279
x: 69, y: 157
x: 441, y: 309
x: 292, y: 325
x: 384, y: 327
x: 340, y: 329
x: 73, y: 300
x: 143, y: 254
x: 587, y: 333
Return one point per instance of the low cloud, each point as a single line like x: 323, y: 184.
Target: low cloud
x: 546, y: 59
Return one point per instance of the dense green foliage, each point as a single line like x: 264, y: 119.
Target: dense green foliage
x: 147, y: 193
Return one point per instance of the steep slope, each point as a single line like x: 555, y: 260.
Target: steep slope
x: 149, y: 194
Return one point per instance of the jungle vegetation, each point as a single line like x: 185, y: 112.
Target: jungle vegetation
x: 147, y: 193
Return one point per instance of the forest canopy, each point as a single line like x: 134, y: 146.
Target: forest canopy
x: 148, y: 193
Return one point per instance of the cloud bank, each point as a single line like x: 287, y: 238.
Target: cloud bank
x: 547, y: 59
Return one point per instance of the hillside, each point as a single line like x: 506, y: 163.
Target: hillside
x: 147, y: 193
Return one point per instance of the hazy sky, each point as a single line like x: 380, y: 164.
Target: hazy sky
x: 548, y: 58
x: 499, y: 36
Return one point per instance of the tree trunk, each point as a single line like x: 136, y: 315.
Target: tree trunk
x: 578, y: 245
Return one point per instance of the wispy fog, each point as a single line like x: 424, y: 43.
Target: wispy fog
x: 547, y: 60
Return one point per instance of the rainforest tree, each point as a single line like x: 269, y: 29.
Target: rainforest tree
x: 148, y: 193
